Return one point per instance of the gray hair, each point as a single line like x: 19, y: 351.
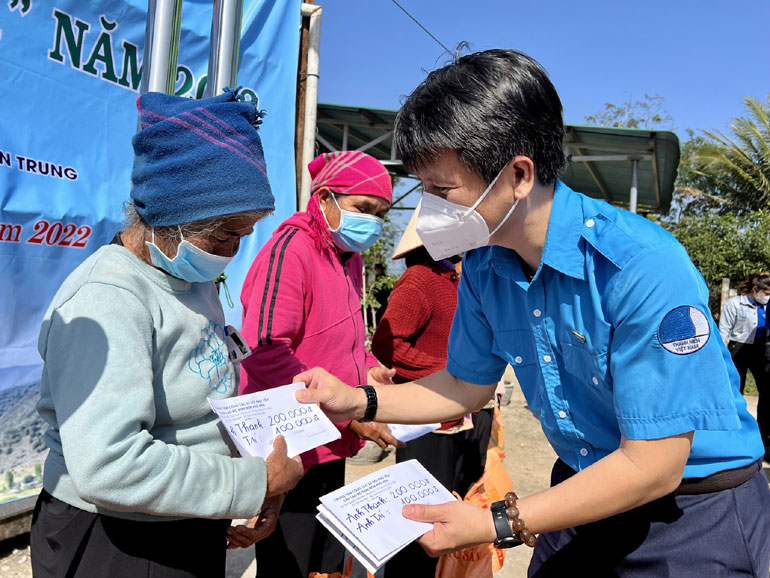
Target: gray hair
x: 171, y: 233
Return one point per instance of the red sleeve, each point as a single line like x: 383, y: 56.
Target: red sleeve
x: 408, y: 312
x: 273, y: 314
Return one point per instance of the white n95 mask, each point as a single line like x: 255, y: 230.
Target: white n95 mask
x: 448, y: 229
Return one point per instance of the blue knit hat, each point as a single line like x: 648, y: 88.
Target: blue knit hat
x: 196, y: 159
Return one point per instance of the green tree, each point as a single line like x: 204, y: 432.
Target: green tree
x: 725, y: 245
x: 379, y: 254
x: 9, y: 479
x: 38, y: 470
x: 646, y: 113
x: 736, y: 167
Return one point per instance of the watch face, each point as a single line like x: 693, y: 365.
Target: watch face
x: 505, y: 536
x: 509, y: 542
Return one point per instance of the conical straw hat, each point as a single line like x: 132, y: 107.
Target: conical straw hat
x: 409, y: 240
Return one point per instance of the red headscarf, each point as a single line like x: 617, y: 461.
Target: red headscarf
x: 351, y: 173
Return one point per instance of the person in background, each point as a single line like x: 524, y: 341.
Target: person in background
x: 743, y: 327
x: 412, y: 339
x: 659, y: 470
x: 302, y: 308
x: 141, y: 479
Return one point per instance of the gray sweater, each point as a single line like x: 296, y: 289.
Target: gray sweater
x: 130, y: 357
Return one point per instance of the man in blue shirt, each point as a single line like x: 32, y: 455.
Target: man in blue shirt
x: 605, y: 321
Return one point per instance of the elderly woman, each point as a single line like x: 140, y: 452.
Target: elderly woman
x: 302, y: 307
x: 141, y: 479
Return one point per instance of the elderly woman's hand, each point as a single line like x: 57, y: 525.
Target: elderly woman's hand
x: 259, y: 527
x: 379, y: 375
x: 283, y: 472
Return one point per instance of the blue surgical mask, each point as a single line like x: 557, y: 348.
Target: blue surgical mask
x: 191, y: 263
x: 357, y: 231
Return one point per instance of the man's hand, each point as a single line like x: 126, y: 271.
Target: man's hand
x: 283, y: 472
x: 379, y: 433
x: 338, y: 401
x: 259, y: 527
x: 456, y: 525
x: 378, y: 375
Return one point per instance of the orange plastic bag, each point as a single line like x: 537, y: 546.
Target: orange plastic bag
x: 348, y: 570
x: 481, y: 561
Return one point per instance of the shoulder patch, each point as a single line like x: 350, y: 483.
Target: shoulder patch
x: 684, y: 330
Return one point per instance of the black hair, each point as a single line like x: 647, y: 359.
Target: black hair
x: 759, y: 281
x: 489, y: 107
x: 418, y: 256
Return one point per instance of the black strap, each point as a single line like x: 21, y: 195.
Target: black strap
x: 505, y: 536
x: 371, y: 403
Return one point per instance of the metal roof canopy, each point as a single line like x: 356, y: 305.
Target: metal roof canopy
x: 628, y: 167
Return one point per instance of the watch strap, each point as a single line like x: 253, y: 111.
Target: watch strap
x: 505, y: 536
x: 371, y: 403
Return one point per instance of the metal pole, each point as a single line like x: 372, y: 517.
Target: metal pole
x: 225, y: 46
x: 725, y: 293
x: 311, y: 99
x: 161, y: 46
x: 634, y: 178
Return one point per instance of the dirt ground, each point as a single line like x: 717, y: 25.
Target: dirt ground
x: 528, y: 460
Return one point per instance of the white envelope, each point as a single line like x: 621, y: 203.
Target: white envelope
x: 366, y: 514
x: 254, y: 421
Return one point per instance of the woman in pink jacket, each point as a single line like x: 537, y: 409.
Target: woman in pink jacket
x: 302, y: 308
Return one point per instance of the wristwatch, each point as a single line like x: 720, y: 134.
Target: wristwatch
x: 505, y: 536
x: 371, y: 403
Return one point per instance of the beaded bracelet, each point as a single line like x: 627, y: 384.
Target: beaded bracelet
x: 516, y: 524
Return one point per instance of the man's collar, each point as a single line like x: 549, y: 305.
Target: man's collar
x: 562, y: 244
x: 562, y: 249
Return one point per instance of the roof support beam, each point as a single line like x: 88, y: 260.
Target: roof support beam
x: 358, y: 139
x: 370, y: 116
x: 604, y: 148
x: 609, y: 158
x: 655, y: 172
x: 326, y: 119
x: 573, y: 142
x: 326, y: 143
x: 384, y: 136
x: 406, y: 194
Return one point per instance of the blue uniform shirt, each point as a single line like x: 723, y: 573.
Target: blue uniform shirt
x: 612, y: 337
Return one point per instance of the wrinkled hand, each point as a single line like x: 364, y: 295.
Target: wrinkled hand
x: 283, y: 472
x: 379, y: 433
x: 338, y: 401
x: 379, y: 376
x: 259, y: 527
x: 456, y: 525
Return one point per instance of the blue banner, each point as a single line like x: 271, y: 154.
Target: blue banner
x: 71, y: 73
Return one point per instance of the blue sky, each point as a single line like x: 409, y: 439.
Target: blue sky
x: 702, y: 57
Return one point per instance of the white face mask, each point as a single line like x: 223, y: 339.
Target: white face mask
x: 448, y: 229
x: 761, y: 298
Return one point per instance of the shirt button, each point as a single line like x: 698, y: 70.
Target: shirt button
x: 562, y: 414
x: 590, y: 223
x: 596, y: 381
x: 518, y: 359
x: 537, y: 313
x: 583, y: 452
x: 547, y: 358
